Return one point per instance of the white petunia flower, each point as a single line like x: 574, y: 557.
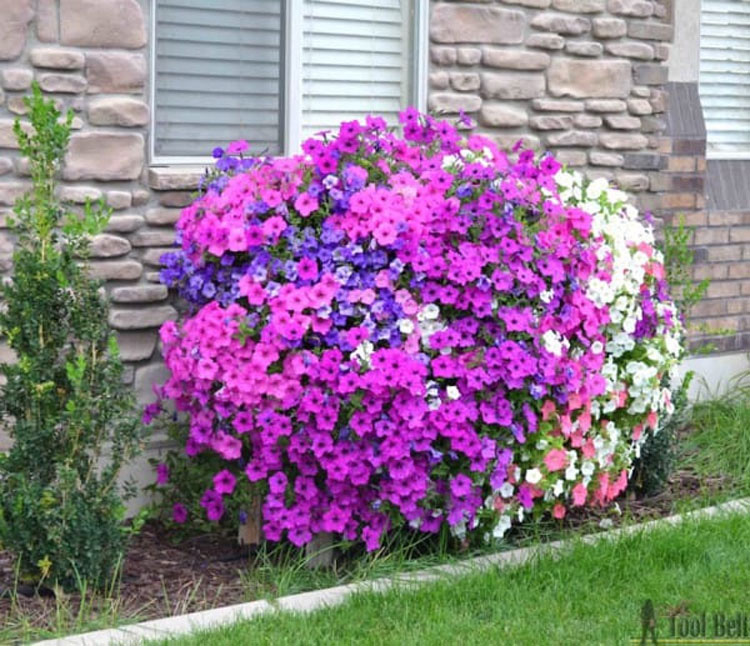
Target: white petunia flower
x: 406, y: 326
x: 533, y: 476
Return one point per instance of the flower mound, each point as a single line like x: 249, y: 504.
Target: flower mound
x: 415, y: 329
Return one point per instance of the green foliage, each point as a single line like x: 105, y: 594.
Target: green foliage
x: 585, y: 594
x: 64, y: 404
x: 678, y: 263
x: 652, y: 469
x: 718, y: 446
x: 186, y: 485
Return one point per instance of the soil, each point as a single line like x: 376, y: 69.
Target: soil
x: 162, y: 578
x: 159, y: 578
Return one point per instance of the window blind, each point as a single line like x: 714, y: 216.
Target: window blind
x: 354, y: 61
x: 725, y: 75
x: 218, y: 75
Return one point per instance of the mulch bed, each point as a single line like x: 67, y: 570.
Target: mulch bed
x: 162, y: 578
x: 159, y: 578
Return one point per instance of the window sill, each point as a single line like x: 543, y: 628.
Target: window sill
x: 175, y: 178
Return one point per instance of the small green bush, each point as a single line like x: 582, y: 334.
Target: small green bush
x: 64, y: 403
x: 651, y: 471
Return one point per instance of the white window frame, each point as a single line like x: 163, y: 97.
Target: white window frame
x: 293, y: 79
x: 712, y: 154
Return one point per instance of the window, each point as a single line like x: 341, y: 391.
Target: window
x: 276, y: 71
x: 725, y: 77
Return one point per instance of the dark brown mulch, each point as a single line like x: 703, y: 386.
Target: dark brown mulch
x: 161, y: 578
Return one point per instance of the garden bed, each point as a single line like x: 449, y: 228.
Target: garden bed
x: 162, y: 577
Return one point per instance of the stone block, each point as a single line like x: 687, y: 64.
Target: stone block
x: 622, y: 141
x: 502, y: 115
x: 146, y: 378
x: 561, y: 24
x: 572, y: 138
x: 650, y: 30
x: 534, y: 4
x: 609, y: 27
x: 583, y: 48
x: 7, y: 136
x: 632, y: 182
x: 161, y: 217
x: 469, y: 56
x: 512, y: 141
x: 443, y: 55
x: 512, y: 85
x: 105, y: 156
x: 116, y: 270
x: 579, y: 6
x: 153, y: 238
x: 106, y: 245
x: 141, y: 318
x: 136, y: 346
x: 639, y: 107
x: 644, y: 161
x: 450, y: 103
x: 47, y: 24
x: 440, y: 80
x: 115, y: 72
x: 177, y: 199
x: 598, y: 158
x: 464, y: 81
x: 62, y: 83
x: 650, y: 74
x: 141, y: 196
x: 119, y: 199
x: 152, y: 257
x: 57, y: 58
x: 16, y: 78
x: 589, y: 79
x: 545, y: 41
x: 606, y: 105
x: 118, y: 111
x: 102, y: 23
x: 633, y: 8
x: 515, y: 59
x: 16, y: 15
x: 569, y: 157
x: 550, y: 122
x: 124, y: 223
x: 622, y: 122
x: 78, y: 194
x: 640, y: 51
x: 139, y: 294
x: 11, y: 191
x: 587, y: 121
x: 557, y: 105
x: 451, y: 23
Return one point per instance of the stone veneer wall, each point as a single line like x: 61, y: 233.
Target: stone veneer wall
x: 583, y: 78
x: 92, y: 56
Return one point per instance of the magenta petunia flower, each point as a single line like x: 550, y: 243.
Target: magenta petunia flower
x: 179, y: 513
x: 224, y: 482
x: 162, y: 473
x: 414, y: 328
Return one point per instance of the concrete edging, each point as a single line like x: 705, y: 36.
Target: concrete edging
x: 308, y: 601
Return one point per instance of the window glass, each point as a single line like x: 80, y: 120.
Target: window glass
x: 218, y: 75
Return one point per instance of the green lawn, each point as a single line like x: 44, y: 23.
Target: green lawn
x: 591, y: 595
